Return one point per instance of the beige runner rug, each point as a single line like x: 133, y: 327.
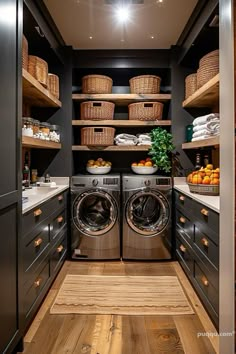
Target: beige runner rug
x: 121, y: 295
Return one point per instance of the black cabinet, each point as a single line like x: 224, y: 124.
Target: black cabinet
x: 197, y: 249
x: 10, y: 191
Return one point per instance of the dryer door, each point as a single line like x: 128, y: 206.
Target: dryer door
x: 94, y: 212
x: 148, y: 212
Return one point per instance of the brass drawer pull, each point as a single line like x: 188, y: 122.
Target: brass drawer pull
x: 38, y: 242
x: 182, y: 198
x: 60, y: 219
x: 38, y: 282
x: 205, y: 242
x: 204, y: 280
x: 204, y: 212
x: 37, y: 212
x: 182, y: 220
x: 182, y: 248
x: 60, y: 198
x: 60, y: 249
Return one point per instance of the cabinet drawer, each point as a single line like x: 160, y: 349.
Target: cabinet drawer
x: 183, y: 250
x: 183, y: 201
x: 58, y: 254
x: 36, y: 287
x: 207, y: 216
x: 36, y: 247
x: 207, y: 248
x: 57, y: 224
x: 185, y: 224
x: 207, y: 286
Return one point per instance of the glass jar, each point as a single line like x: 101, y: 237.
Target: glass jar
x: 36, y: 124
x: 55, y: 134
x: 44, y: 131
x: 34, y: 176
x: 27, y: 126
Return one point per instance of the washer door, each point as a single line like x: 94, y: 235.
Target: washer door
x: 94, y: 212
x: 148, y: 212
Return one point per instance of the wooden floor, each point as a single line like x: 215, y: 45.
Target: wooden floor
x: 110, y: 334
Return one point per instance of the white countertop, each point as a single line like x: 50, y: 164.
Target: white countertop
x: 36, y: 196
x: 212, y: 202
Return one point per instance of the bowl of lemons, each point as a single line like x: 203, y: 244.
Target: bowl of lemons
x: 98, y: 167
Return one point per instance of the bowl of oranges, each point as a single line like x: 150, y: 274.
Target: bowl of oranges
x: 205, y: 181
x: 98, y: 167
x: 144, y: 167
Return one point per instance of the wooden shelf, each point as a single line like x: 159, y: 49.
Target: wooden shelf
x: 122, y: 99
x: 110, y: 148
x: 36, y: 94
x: 202, y: 143
x: 122, y: 123
x: 39, y: 144
x: 206, y: 96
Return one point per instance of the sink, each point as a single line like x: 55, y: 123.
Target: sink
x: 35, y: 191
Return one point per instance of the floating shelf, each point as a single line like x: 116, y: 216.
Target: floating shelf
x: 36, y: 94
x: 122, y: 99
x: 206, y: 96
x: 202, y: 143
x: 122, y: 123
x: 39, y: 144
x: 110, y: 148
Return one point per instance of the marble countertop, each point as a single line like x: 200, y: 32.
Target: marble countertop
x: 212, y: 202
x: 37, y: 195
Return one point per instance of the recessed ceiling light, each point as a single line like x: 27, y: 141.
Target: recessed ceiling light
x: 122, y: 13
x: 122, y: 40
x: 159, y: 1
x: 152, y: 37
x: 90, y: 37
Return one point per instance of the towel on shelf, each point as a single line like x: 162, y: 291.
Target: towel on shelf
x: 205, y: 119
x: 144, y: 139
x: 203, y: 137
x: 202, y: 132
x: 125, y: 139
x: 212, y: 126
x: 145, y: 143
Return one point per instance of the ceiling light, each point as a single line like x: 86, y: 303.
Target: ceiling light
x: 123, y: 13
x: 90, y: 37
x: 122, y: 40
x: 152, y: 37
x: 159, y: 1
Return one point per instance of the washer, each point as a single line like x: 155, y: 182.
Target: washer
x: 147, y: 203
x: 95, y: 215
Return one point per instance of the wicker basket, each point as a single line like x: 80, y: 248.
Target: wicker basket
x: 190, y: 85
x: 208, y: 68
x: 38, y: 68
x: 97, y: 110
x: 145, y: 111
x: 211, y: 189
x: 24, y: 53
x: 53, y: 85
x: 210, y: 57
x: 96, y: 84
x: 145, y: 84
x: 97, y: 136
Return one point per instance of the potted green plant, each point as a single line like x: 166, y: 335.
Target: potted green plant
x: 161, y: 148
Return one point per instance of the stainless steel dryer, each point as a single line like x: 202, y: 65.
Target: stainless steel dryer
x: 146, y: 217
x: 95, y: 208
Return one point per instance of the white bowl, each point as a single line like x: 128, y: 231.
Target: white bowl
x: 144, y: 170
x: 98, y: 170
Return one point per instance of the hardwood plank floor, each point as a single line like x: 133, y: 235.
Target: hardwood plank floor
x: 110, y: 334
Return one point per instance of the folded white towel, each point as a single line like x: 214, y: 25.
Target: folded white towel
x: 212, y: 125
x: 125, y: 136
x: 144, y: 136
x: 203, y: 137
x: 127, y: 142
x: 205, y: 119
x: 145, y: 143
x: 201, y: 133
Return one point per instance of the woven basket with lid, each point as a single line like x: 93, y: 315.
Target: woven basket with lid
x: 96, y: 84
x: 97, y: 136
x: 190, y: 85
x: 145, y: 111
x: 53, y: 85
x: 145, y: 84
x: 38, y: 68
x: 24, y: 53
x: 97, y: 110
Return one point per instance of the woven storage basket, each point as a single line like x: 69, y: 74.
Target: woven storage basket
x: 210, y: 57
x: 97, y: 110
x: 96, y: 84
x: 97, y: 136
x: 204, y: 74
x: 145, y: 111
x: 24, y: 53
x: 145, y: 84
x: 53, y: 85
x: 212, y: 189
x: 190, y: 85
x: 38, y: 68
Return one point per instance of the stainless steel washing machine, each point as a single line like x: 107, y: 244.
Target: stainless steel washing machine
x: 95, y: 221
x: 147, y: 232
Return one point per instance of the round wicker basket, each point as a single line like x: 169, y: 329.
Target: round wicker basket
x: 145, y: 84
x: 96, y: 84
x: 38, y: 68
x: 97, y: 110
x: 53, y: 85
x: 190, y: 85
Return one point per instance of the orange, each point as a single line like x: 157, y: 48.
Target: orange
x: 190, y: 178
x: 214, y: 175
x: 206, y: 180
x: 197, y: 179
x: 134, y: 164
x: 209, y: 166
x: 208, y: 172
x: 215, y: 181
x: 148, y: 163
x: 141, y: 164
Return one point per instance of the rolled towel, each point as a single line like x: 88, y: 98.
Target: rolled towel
x: 205, y: 119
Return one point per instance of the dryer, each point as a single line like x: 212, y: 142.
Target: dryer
x: 147, y: 203
x: 95, y: 217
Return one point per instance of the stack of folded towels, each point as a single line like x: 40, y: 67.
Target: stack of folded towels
x: 205, y: 127
x: 125, y: 139
x: 144, y: 139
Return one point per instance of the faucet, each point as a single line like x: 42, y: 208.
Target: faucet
x: 47, y: 178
